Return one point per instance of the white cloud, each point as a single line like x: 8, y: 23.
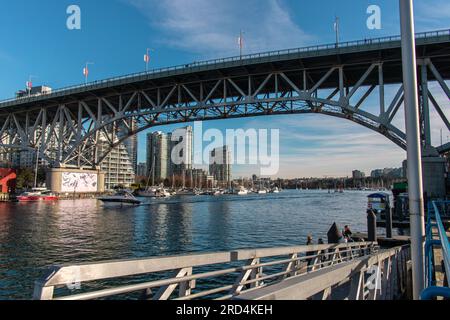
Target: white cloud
x: 211, y: 27
x: 311, y: 145
x: 432, y: 14
x: 318, y: 145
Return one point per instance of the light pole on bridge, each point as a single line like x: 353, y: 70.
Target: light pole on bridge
x: 86, y: 71
x: 147, y: 58
x: 241, y: 43
x: 415, y: 187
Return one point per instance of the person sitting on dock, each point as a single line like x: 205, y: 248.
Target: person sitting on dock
x: 347, y: 233
x: 309, y: 242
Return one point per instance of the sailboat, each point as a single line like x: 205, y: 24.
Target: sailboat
x: 37, y: 194
x: 154, y: 191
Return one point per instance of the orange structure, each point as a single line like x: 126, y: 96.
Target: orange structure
x: 7, y: 180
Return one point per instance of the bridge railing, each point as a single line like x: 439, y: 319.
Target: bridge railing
x: 435, y: 210
x: 221, y: 275
x: 241, y: 59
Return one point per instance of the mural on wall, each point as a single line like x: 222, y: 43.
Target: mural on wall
x: 79, y: 182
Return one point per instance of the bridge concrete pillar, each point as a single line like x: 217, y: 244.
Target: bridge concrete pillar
x: 67, y: 180
x: 433, y: 173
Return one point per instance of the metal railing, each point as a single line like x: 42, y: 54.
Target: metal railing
x: 435, y: 210
x: 222, y: 275
x: 245, y: 59
x: 382, y: 276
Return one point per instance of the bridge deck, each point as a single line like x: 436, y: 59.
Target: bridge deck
x: 356, y: 53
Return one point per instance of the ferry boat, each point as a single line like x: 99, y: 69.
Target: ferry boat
x: 121, y: 197
x: 37, y: 194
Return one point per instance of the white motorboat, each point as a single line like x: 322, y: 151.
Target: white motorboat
x: 242, y: 191
x: 121, y: 197
x: 276, y: 190
x: 154, y: 192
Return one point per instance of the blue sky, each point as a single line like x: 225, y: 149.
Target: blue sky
x: 34, y: 40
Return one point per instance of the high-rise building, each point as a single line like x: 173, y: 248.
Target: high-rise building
x: 158, y: 156
x: 220, y: 165
x: 181, y: 151
x: 358, y: 175
x: 131, y: 143
x: 117, y: 165
x: 170, y: 155
x: 142, y: 170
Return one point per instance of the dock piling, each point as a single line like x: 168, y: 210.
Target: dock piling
x: 372, y: 226
x: 389, y: 214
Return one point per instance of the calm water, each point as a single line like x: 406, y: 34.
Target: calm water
x: 35, y: 236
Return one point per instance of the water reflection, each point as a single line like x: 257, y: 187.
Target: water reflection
x: 34, y: 236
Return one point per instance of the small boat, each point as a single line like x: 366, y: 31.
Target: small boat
x: 37, y: 194
x: 154, y: 193
x: 262, y: 191
x: 276, y: 190
x: 121, y: 197
x: 242, y: 191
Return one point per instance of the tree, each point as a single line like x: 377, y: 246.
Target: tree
x: 25, y: 178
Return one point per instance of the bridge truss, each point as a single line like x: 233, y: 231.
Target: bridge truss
x: 68, y: 131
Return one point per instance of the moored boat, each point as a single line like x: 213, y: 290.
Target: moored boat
x: 37, y: 194
x: 241, y: 191
x: 121, y: 197
x: 155, y: 192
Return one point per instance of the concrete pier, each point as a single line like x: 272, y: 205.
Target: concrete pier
x: 76, y: 181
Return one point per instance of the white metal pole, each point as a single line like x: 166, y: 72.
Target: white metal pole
x: 86, y: 73
x: 416, y: 203
x: 336, y: 26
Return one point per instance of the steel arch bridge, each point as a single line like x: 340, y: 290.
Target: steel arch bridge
x: 64, y: 127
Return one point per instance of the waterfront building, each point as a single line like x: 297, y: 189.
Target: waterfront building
x: 395, y: 173
x: 142, y: 170
x: 220, y: 165
x: 358, y: 175
x: 181, y: 141
x: 117, y: 165
x: 199, y: 178
x: 131, y: 143
x: 158, y: 156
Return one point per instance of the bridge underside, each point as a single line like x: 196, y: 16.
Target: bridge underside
x: 67, y: 128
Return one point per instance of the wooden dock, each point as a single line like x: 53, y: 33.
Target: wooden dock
x: 384, y: 242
